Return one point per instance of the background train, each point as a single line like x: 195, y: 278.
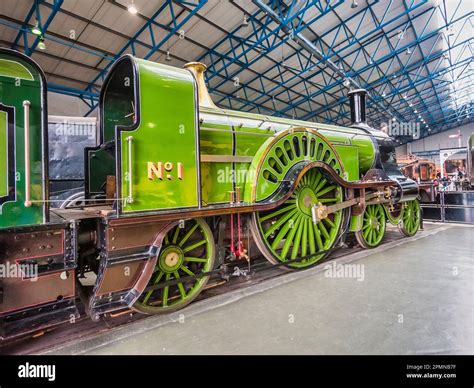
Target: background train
x: 177, y: 188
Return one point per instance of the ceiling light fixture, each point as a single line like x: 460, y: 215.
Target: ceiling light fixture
x: 132, y: 9
x: 354, y: 4
x: 408, y: 52
x: 41, y: 44
x: 168, y: 57
x: 245, y: 23
x: 36, y: 29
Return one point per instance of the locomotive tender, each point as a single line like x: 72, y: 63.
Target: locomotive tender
x: 172, y: 190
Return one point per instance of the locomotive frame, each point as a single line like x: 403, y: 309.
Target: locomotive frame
x: 153, y: 191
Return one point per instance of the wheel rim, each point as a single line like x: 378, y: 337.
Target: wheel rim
x: 185, y: 252
x: 287, y: 232
x: 411, y: 218
x: 373, y: 226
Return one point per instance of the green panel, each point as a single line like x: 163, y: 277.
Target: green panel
x: 13, y: 69
x: 165, y: 134
x: 350, y: 158
x: 215, y: 139
x: 13, y: 92
x: 366, y: 152
x: 356, y: 223
x: 249, y: 139
x: 337, y: 134
x: 3, y: 155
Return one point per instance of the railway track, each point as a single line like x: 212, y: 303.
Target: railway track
x: 84, y: 327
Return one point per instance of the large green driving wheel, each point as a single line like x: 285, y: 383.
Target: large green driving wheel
x: 287, y: 234
x: 373, y: 227
x: 411, y: 218
x: 186, y: 252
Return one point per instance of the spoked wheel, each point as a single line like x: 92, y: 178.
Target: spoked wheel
x: 411, y: 218
x: 394, y: 213
x: 373, y: 227
x: 185, y: 252
x: 287, y: 233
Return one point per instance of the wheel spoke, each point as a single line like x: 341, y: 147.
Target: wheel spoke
x: 366, y: 233
x: 289, y: 239
x: 326, y: 190
x: 280, y: 222
x: 276, y: 213
x: 318, y: 238
x: 329, y: 222
x: 316, y: 179
x: 323, y: 230
x: 195, y: 259
x: 156, y: 281
x: 166, y: 291
x: 176, y: 233
x: 370, y: 235
x: 296, y: 245
x: 320, y: 186
x: 187, y: 270
x: 326, y: 200
x: 194, y: 246
x: 187, y: 235
x: 282, y: 233
x: 311, y: 238
x: 180, y: 285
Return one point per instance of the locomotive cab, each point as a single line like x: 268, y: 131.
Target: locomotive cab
x: 117, y: 109
x: 23, y: 141
x: 148, y: 158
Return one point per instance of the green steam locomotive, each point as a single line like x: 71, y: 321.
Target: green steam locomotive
x: 177, y: 188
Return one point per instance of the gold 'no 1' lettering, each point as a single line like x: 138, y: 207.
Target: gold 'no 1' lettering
x: 162, y: 170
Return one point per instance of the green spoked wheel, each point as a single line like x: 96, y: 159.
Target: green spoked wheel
x: 373, y: 227
x: 287, y: 233
x: 185, y: 252
x: 411, y: 218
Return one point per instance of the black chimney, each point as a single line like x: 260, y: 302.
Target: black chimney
x: 357, y: 101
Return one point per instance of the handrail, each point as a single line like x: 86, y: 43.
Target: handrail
x: 130, y: 170
x: 26, y: 125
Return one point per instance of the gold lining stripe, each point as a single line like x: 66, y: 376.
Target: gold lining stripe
x: 226, y: 159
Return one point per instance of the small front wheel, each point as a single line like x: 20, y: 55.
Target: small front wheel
x: 373, y: 227
x: 185, y: 254
x: 411, y: 218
